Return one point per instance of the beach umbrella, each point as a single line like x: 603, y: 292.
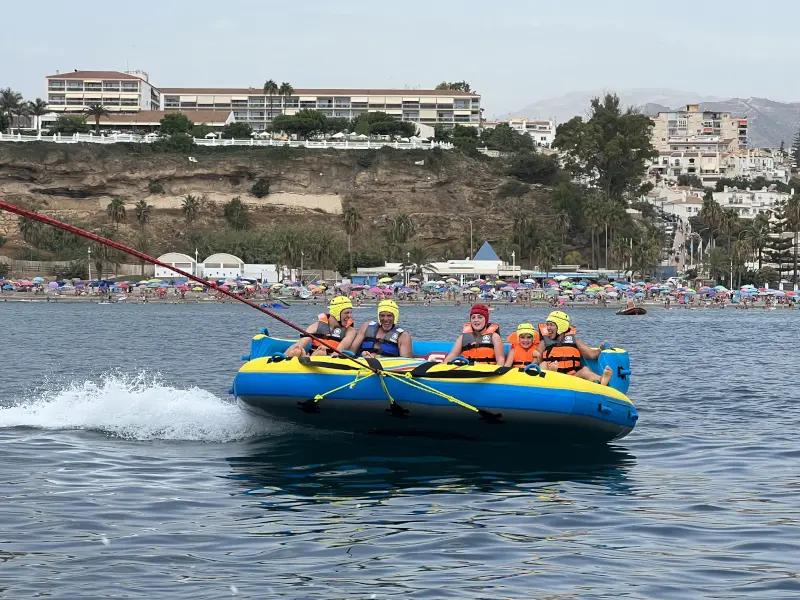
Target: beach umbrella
x: 52, y: 284
x: 475, y: 289
x: 385, y: 280
x: 639, y: 294
x: 779, y: 293
x: 37, y: 279
x: 451, y: 280
x: 406, y: 290
x: 8, y: 286
x: 357, y: 287
x: 507, y: 288
x: 415, y: 279
x: 529, y: 281
x: 375, y: 290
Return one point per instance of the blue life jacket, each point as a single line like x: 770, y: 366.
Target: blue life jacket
x: 388, y: 345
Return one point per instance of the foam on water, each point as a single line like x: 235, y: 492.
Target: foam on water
x: 140, y: 407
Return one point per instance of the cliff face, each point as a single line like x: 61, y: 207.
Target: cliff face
x: 438, y: 189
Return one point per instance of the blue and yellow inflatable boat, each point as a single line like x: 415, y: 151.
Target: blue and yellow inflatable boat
x: 419, y: 396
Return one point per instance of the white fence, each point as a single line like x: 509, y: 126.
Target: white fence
x: 344, y: 144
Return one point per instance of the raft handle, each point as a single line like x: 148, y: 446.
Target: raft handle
x: 633, y: 418
x: 537, y: 370
x: 265, y: 331
x: 230, y: 390
x: 245, y: 357
x: 459, y: 361
x: 605, y: 346
x: 606, y: 410
x: 623, y: 372
x: 277, y: 357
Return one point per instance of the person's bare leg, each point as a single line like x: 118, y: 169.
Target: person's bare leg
x: 295, y: 351
x: 589, y: 375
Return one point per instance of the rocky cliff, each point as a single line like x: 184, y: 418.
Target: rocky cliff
x: 438, y: 189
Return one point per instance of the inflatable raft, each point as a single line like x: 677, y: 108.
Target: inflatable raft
x: 636, y: 310
x: 420, y: 396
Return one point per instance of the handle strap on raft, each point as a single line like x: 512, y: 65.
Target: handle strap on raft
x: 310, y: 405
x: 423, y: 370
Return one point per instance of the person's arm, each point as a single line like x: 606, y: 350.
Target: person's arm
x: 455, y: 351
x: 304, y: 341
x: 356, y: 336
x: 499, y: 349
x: 537, y: 355
x: 405, y: 346
x: 510, y: 357
x: 586, y: 351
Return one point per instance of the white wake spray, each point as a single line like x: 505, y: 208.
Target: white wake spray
x: 140, y: 407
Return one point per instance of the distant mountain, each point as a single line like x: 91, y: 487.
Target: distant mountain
x: 769, y: 122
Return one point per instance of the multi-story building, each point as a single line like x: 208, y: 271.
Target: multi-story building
x: 252, y: 106
x: 542, y: 132
x: 118, y: 92
x: 691, y: 122
x: 685, y: 201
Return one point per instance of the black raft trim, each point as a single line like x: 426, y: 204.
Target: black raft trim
x: 423, y: 371
x: 324, y: 364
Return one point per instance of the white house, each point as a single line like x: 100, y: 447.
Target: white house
x: 264, y: 273
x: 223, y: 266
x: 177, y: 260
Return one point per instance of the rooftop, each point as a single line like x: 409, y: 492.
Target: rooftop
x: 153, y: 117
x: 93, y: 75
x: 323, y: 92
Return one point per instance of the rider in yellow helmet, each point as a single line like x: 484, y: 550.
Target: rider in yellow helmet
x: 382, y: 337
x: 333, y: 327
x: 561, y: 350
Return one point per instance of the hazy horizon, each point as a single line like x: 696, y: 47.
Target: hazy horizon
x: 513, y: 55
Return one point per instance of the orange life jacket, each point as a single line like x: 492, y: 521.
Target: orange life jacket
x: 333, y: 336
x: 564, y: 352
x: 537, y: 337
x: 479, y: 350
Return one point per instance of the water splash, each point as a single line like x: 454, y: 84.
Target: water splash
x: 141, y: 407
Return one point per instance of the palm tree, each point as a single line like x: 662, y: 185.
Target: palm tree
x: 96, y: 110
x: 22, y: 110
x: 190, y: 206
x: 9, y: 102
x: 561, y: 223
x: 30, y: 229
x: 401, y: 228
x: 351, y: 220
x: 270, y: 89
x: 237, y: 213
x: 646, y: 254
x: 143, y: 210
x: 548, y: 253
x: 116, y: 211
x: 285, y: 90
x: 418, y: 262
x: 620, y: 251
x: 593, y: 211
x: 792, y: 215
x: 38, y: 108
x: 758, y: 236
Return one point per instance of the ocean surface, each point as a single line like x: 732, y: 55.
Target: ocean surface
x: 126, y: 471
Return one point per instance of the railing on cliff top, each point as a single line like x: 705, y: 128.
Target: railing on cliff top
x: 344, y: 144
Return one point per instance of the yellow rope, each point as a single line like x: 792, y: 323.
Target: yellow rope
x: 351, y: 385
x: 407, y: 379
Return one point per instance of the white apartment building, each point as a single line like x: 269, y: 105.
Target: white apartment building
x: 118, y: 92
x: 691, y: 122
x: 542, y: 132
x: 131, y: 92
x: 752, y: 163
x: 685, y: 202
x: 252, y: 106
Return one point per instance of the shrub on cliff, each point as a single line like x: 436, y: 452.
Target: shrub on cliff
x: 179, y: 142
x: 2, y: 241
x: 531, y: 167
x: 237, y: 214
x: 4, y: 270
x: 155, y: 187
x: 260, y: 188
x: 175, y: 123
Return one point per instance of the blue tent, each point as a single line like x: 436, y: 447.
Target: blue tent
x: 486, y: 253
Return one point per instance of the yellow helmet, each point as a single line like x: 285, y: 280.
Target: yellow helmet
x: 526, y: 329
x: 561, y: 320
x: 389, y: 306
x: 337, y: 305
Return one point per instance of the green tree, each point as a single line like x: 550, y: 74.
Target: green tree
x: 612, y: 148
x: 260, y: 188
x: 459, y: 86
x: 237, y: 213
x: 573, y: 257
x: 548, y: 253
x: 357, y: 259
x: 690, y: 180
x: 351, y: 221
x: 401, y: 228
x: 10, y: 101
x: 190, y: 207
x: 758, y: 236
x: 96, y: 110
x: 69, y: 124
x: 237, y: 131
x: 620, y: 252
x: 418, y: 262
x: 30, y: 229
x: 795, y: 149
x: 175, y: 123
x: 791, y: 215
x: 532, y: 167
x: 505, y: 139
x: 304, y: 124
x: 116, y: 211
x: 270, y: 89
x: 143, y: 211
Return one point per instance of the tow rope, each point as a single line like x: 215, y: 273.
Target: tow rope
x: 370, y: 364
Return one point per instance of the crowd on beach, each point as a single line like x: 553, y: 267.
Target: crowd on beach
x: 556, y: 292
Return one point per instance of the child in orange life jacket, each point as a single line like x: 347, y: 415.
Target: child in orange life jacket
x: 479, y: 341
x: 335, y: 327
x: 523, y: 346
x: 562, y: 351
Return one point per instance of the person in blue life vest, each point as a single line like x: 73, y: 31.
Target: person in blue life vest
x: 382, y: 337
x: 333, y: 327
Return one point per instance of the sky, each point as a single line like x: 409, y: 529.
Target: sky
x: 513, y: 52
